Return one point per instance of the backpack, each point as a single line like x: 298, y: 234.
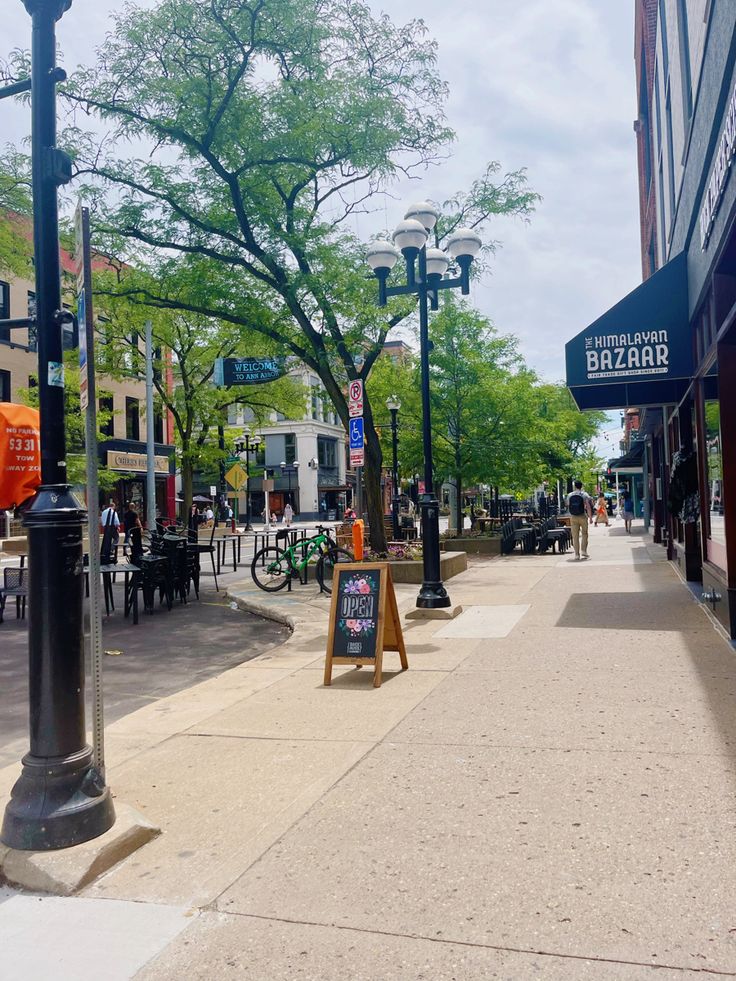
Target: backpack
x: 576, y: 504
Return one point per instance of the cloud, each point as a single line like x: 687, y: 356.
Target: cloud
x: 542, y: 84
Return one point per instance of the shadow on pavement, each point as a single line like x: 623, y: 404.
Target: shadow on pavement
x: 165, y: 653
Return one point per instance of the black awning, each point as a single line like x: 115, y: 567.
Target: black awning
x: 639, y: 353
x: 631, y: 460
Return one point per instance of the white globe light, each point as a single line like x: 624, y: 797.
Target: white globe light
x: 464, y: 242
x: 410, y: 234
x: 437, y: 262
x: 423, y: 212
x: 382, y: 255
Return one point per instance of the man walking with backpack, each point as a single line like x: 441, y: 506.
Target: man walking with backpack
x: 581, y: 512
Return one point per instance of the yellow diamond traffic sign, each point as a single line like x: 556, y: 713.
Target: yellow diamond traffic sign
x: 236, y: 476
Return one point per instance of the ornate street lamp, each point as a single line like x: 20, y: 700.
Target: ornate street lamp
x: 244, y: 446
x: 393, y: 404
x: 425, y: 272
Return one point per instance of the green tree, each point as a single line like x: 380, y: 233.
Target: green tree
x: 565, y: 435
x: 273, y: 124
x: 76, y: 460
x: 188, y: 344
x: 16, y: 213
x: 483, y: 404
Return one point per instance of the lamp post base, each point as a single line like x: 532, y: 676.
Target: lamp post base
x: 432, y: 595
x: 57, y: 802
x: 60, y: 798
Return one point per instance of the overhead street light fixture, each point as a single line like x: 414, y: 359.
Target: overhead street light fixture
x: 426, y: 275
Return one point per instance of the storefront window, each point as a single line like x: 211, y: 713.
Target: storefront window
x: 714, y: 468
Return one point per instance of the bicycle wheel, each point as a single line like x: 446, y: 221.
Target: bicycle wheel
x: 270, y: 569
x: 327, y: 563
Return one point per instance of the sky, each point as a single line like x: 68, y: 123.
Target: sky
x: 543, y: 84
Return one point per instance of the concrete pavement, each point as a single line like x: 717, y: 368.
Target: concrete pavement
x: 547, y: 793
x: 166, y: 652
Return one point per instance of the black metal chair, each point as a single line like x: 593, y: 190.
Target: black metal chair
x: 560, y: 535
x: 210, y: 549
x: 15, y: 583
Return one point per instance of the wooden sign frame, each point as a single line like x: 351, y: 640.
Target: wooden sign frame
x: 389, y: 635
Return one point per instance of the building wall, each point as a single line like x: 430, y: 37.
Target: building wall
x: 686, y: 120
x: 22, y: 362
x: 645, y: 41
x: 318, y: 421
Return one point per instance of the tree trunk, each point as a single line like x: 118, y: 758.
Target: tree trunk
x: 372, y: 479
x: 372, y: 482
x: 459, y: 505
x: 187, y: 481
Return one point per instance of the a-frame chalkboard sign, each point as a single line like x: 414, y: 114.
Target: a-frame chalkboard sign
x: 364, y: 619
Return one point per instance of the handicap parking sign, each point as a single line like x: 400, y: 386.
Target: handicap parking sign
x: 356, y: 434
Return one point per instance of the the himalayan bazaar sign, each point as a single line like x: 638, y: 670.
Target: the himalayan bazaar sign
x: 135, y: 462
x: 640, y: 351
x: 721, y: 171
x: 645, y: 352
x: 247, y: 371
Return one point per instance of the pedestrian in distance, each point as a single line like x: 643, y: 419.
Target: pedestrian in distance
x: 109, y: 519
x: 288, y: 514
x: 131, y: 520
x: 601, y: 510
x: 628, y: 511
x: 581, y: 513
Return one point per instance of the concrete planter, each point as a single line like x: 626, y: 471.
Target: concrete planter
x: 412, y: 571
x: 474, y: 546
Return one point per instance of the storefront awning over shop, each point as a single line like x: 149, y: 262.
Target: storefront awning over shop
x: 631, y: 462
x: 639, y: 353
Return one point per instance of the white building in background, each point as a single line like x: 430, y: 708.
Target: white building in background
x: 312, y: 450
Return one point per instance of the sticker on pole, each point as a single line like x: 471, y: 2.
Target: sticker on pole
x: 20, y: 454
x: 355, y: 398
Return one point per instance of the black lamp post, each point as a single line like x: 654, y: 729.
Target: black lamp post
x: 288, y: 469
x: 425, y: 269
x: 60, y: 798
x: 393, y: 404
x: 244, y: 446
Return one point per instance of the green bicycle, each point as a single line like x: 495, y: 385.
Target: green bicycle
x: 272, y: 567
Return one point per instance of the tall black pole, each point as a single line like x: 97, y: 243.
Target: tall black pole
x: 248, y: 526
x: 60, y: 798
x: 433, y: 594
x: 223, y: 485
x: 395, y: 474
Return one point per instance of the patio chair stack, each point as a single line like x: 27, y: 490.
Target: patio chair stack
x: 15, y: 583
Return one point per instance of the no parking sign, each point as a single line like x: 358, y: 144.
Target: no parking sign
x: 355, y: 398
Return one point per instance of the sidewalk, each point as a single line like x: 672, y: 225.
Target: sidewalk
x: 547, y: 793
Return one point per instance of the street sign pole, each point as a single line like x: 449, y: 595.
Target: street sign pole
x: 150, y: 448
x: 356, y: 436
x: 88, y: 401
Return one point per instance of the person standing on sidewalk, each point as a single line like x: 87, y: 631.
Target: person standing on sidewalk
x: 601, y: 510
x: 628, y: 506
x: 581, y: 512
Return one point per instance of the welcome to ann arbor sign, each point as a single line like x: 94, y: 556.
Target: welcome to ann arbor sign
x: 247, y: 371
